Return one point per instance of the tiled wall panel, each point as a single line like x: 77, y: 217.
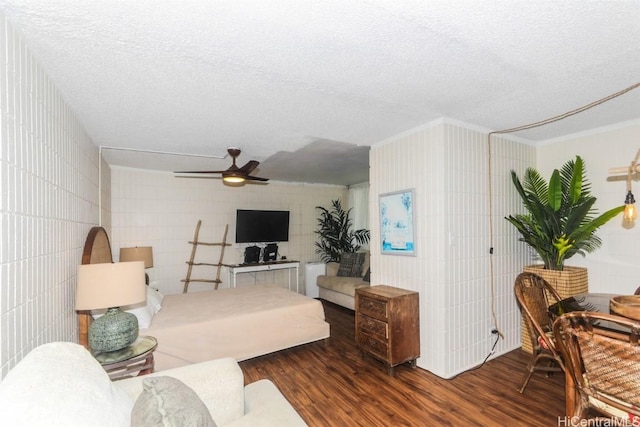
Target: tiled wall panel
x: 159, y: 210
x: 447, y: 166
x: 48, y: 202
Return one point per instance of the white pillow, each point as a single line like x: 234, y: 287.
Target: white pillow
x: 143, y: 311
x: 154, y: 299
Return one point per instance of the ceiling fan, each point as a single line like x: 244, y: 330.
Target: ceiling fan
x: 234, y: 174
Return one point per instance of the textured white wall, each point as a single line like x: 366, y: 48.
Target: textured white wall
x: 159, y: 210
x: 614, y: 267
x: 49, y: 200
x: 447, y: 166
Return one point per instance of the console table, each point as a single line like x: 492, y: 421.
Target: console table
x: 234, y: 270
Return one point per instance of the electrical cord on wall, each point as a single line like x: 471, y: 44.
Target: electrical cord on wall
x: 493, y: 350
x: 490, y: 185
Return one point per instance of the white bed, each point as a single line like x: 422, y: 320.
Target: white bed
x: 242, y: 322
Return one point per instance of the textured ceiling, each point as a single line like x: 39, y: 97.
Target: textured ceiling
x: 297, y: 82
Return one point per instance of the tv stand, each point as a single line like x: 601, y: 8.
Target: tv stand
x: 234, y: 270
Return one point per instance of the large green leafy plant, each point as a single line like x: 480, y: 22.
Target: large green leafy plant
x: 336, y: 234
x: 561, y: 220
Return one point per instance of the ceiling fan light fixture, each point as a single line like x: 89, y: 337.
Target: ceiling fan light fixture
x: 233, y: 178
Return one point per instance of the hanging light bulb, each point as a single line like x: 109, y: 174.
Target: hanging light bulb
x: 630, y: 212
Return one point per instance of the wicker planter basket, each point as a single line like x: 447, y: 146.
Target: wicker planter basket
x: 568, y: 282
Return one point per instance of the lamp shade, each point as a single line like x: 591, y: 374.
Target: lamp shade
x: 139, y: 253
x: 110, y: 285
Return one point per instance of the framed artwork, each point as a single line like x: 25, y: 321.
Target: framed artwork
x: 396, y: 223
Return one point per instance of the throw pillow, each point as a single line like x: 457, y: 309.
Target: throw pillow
x: 367, y: 275
x: 167, y: 401
x: 351, y: 264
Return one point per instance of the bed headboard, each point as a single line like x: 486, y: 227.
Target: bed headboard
x: 97, y: 250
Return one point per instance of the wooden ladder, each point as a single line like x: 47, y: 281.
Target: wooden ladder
x: 191, y: 262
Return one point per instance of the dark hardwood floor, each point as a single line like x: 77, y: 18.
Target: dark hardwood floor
x: 335, y: 386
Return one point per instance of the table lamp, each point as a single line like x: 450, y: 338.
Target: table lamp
x: 111, y: 286
x: 142, y: 253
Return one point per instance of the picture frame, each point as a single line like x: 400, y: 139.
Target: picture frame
x: 397, y: 228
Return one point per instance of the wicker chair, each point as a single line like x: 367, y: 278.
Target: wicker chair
x: 533, y: 293
x: 602, y: 356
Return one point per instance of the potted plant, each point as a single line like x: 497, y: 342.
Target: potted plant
x: 560, y: 222
x: 336, y: 234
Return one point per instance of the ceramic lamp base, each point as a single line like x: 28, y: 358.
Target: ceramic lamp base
x: 113, y: 331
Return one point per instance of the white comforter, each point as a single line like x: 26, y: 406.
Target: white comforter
x: 240, y: 322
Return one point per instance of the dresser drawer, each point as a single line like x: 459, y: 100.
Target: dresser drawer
x: 373, y: 307
x: 373, y: 345
x: 374, y: 327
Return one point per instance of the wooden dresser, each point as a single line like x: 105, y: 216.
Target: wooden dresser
x: 388, y: 324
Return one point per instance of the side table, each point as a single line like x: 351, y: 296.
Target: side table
x: 388, y: 324
x: 136, y: 359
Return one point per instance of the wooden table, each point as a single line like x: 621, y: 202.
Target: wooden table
x: 136, y: 359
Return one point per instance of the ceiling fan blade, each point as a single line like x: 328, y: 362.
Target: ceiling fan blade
x: 218, y: 177
x: 233, y: 173
x: 199, y: 171
x: 250, y: 166
x: 255, y: 178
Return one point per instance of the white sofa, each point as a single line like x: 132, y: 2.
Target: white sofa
x: 341, y: 290
x: 61, y: 384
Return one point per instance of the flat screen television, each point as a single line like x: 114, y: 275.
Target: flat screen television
x: 257, y: 226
